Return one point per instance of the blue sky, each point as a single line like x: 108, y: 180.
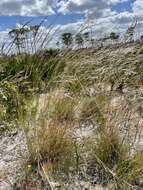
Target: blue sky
x: 11, y: 21
x: 123, y: 6
x: 9, y: 18
x: 107, y: 15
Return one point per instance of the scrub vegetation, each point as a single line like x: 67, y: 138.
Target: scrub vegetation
x: 80, y: 113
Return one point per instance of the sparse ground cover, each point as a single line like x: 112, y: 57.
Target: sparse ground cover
x: 80, y: 116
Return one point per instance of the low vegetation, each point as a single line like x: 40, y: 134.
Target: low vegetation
x: 87, y: 129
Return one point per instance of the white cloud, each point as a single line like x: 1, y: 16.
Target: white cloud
x: 92, y: 8
x: 104, y: 18
x: 27, y: 7
x: 138, y: 8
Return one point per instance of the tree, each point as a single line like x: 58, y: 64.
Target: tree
x: 34, y: 29
x: 92, y: 42
x: 67, y: 39
x: 86, y: 36
x: 114, y: 36
x: 141, y: 39
x: 79, y: 40
x: 58, y: 44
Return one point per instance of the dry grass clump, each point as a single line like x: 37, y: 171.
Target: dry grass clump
x: 51, y: 143
x: 61, y: 107
x: 50, y: 136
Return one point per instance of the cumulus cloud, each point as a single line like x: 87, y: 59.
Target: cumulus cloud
x: 91, y: 8
x: 27, y: 7
x: 47, y: 7
x: 138, y: 8
x: 105, y: 19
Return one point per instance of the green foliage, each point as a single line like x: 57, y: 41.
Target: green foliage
x: 73, y: 86
x: 23, y: 75
x: 51, y: 52
x: 109, y: 157
x: 109, y: 148
x: 129, y: 172
x: 9, y: 99
x: 67, y: 39
x: 79, y: 40
x: 31, y: 71
x: 11, y: 105
x: 114, y: 36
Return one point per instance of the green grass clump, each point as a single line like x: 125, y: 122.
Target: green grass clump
x: 24, y: 75
x: 73, y: 87
x: 130, y: 172
x: 105, y: 151
x: 109, y: 149
x: 31, y: 71
x: 110, y: 160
